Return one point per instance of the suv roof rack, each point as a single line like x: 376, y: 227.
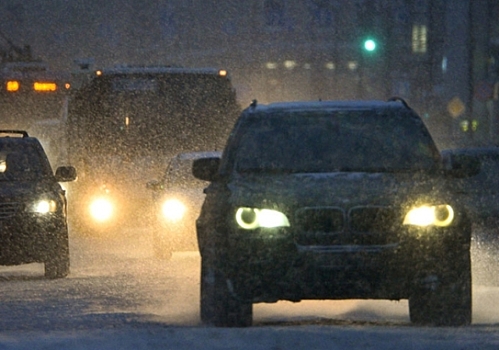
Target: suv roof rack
x: 17, y: 132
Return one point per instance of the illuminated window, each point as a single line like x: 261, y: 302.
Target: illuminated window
x: 330, y: 65
x: 289, y: 64
x: 352, y: 65
x: 271, y: 65
x: 419, y: 38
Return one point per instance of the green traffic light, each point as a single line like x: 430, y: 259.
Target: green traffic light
x: 369, y: 45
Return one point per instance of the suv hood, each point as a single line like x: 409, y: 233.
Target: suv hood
x: 335, y: 189
x: 26, y: 189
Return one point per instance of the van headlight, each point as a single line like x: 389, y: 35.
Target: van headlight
x: 253, y: 218
x: 426, y: 215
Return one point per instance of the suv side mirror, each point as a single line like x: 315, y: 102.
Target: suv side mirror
x: 461, y: 165
x: 206, y: 168
x: 65, y: 174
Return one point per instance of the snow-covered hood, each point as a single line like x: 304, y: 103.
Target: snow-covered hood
x: 344, y: 189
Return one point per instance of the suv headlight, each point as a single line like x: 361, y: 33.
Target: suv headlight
x: 253, y: 218
x: 43, y: 206
x: 437, y: 215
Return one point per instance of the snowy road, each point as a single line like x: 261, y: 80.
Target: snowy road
x: 119, y: 297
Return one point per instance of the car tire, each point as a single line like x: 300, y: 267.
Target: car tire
x: 57, y: 263
x: 446, y: 302
x: 217, y: 306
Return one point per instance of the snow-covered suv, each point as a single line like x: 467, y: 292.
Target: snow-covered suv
x: 332, y: 200
x: 33, y: 222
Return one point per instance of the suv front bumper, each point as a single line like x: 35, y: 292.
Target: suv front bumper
x: 276, y: 268
x: 30, y: 238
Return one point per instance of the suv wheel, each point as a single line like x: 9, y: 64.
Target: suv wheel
x: 447, y: 303
x: 57, y: 264
x: 218, y: 307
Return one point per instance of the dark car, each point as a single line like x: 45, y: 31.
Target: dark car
x: 33, y: 222
x: 333, y: 200
x: 479, y: 194
x: 177, y: 200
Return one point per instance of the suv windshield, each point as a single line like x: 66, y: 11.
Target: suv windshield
x: 21, y: 162
x: 329, y: 141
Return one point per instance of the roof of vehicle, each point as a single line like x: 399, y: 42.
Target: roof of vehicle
x: 13, y: 136
x: 328, y: 105
x: 160, y: 70
x: 198, y: 155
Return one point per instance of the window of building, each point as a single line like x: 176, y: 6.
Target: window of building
x: 419, y: 38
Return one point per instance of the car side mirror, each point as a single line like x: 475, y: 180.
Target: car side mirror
x: 461, y: 165
x: 206, y: 169
x: 65, y: 174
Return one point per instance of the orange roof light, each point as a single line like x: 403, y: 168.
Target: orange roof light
x: 12, y: 85
x: 44, y: 86
x: 222, y: 73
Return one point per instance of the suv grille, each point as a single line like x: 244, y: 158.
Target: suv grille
x: 358, y: 226
x: 375, y: 220
x: 8, y: 210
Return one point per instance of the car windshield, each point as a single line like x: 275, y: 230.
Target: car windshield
x: 21, y: 163
x: 334, y: 141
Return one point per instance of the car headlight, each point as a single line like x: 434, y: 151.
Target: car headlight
x: 173, y: 209
x: 43, y: 206
x: 252, y: 218
x: 437, y: 215
x: 101, y: 209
